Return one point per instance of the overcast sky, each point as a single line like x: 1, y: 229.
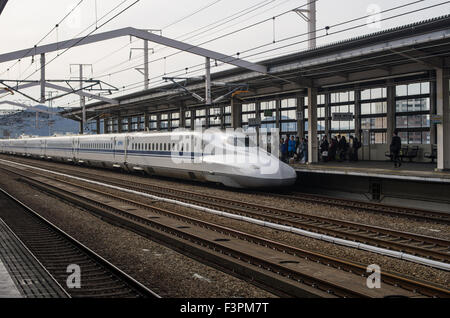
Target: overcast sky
x: 25, y: 22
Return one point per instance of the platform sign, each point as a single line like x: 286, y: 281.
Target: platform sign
x: 254, y: 122
x: 342, y: 116
x: 436, y: 119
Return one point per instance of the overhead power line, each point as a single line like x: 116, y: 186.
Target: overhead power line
x: 321, y: 36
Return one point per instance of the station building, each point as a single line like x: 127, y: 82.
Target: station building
x: 394, y: 80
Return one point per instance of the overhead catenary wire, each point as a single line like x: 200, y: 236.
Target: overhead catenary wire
x: 94, y: 30
x: 285, y: 39
x: 347, y: 29
x: 208, y: 28
x: 47, y: 34
x: 162, y: 29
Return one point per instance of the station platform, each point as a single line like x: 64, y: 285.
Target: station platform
x: 21, y: 275
x: 422, y: 172
x: 415, y: 185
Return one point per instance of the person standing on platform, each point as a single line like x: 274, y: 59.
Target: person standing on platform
x: 396, y: 146
x: 283, y: 150
x: 304, y: 150
x: 291, y: 147
x: 324, y: 146
x: 332, y: 149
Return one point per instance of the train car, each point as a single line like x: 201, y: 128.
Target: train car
x: 225, y: 158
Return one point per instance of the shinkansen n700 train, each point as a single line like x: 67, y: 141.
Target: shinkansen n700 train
x: 225, y: 158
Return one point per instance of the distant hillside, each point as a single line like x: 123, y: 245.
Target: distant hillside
x: 24, y: 123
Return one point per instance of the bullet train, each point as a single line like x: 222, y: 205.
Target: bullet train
x: 220, y: 157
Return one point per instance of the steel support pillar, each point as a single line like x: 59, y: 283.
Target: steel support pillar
x: 358, y: 113
x: 433, y: 111
x: 158, y: 122
x: 391, y: 110
x: 313, y: 144
x: 82, y: 98
x: 328, y: 115
x: 208, y: 98
x: 312, y: 25
x: 236, y: 113
x: 105, y: 125
x: 278, y: 113
x: 300, y: 117
x: 146, y: 65
x: 146, y: 122
x: 443, y: 110
x: 182, y: 117
x: 119, y: 124
x: 98, y: 126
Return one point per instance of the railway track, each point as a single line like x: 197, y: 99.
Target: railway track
x: 230, y: 249
x: 419, y: 214
x: 378, y: 208
x: 418, y: 245
x: 56, y: 250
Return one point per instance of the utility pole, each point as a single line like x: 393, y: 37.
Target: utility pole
x: 145, y: 70
x: 42, y: 78
x: 50, y: 115
x: 208, y: 98
x: 82, y: 98
x: 309, y: 15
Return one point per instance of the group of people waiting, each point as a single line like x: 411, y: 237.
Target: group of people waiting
x: 335, y: 149
x: 339, y: 149
x: 291, y: 148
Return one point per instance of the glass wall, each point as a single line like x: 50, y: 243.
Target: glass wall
x: 227, y: 116
x: 288, y: 116
x: 164, y: 122
x: 374, y: 114
x: 200, y: 117
x: 342, y: 103
x: 153, y: 122
x: 248, y: 112
x: 215, y: 117
x: 188, y: 119
x: 268, y: 114
x: 413, y: 113
x: 175, y: 120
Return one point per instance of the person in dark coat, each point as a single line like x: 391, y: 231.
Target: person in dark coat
x: 283, y: 150
x: 324, y: 146
x: 332, y: 149
x: 342, y: 148
x: 396, y: 146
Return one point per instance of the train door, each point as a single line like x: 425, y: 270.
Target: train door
x: 127, y: 142
x: 114, y: 145
x: 74, y: 148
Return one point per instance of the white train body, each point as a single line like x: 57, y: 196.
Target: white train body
x: 219, y: 157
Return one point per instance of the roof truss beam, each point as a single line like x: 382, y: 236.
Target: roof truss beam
x: 142, y: 34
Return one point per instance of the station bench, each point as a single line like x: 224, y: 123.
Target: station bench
x: 431, y: 155
x: 405, y: 152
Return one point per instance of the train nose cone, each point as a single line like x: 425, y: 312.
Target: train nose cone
x: 288, y: 176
